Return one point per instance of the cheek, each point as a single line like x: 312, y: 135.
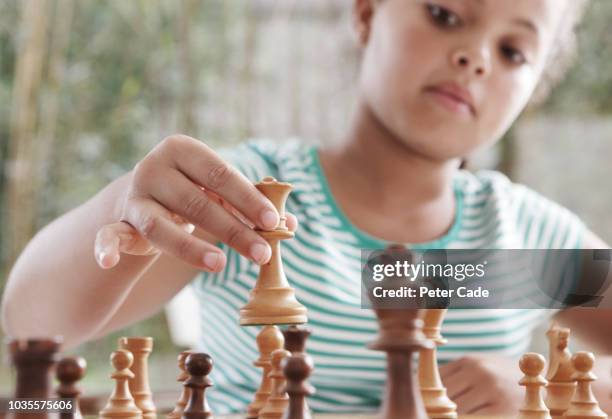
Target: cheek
x: 397, y: 62
x: 507, y: 95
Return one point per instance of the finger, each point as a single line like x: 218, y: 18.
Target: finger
x: 473, y: 401
x: 450, y: 368
x: 457, y: 385
x: 292, y: 222
x: 114, y: 239
x: 106, y: 246
x: 191, y: 203
x: 231, y: 209
x: 203, y: 166
x: 153, y: 223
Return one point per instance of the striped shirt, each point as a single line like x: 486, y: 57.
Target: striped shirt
x: 322, y: 263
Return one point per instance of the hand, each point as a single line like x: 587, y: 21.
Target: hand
x: 484, y: 385
x: 181, y: 184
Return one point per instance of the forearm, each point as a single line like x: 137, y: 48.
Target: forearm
x: 56, y: 286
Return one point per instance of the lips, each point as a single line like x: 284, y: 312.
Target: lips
x: 453, y: 96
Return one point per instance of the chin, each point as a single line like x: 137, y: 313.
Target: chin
x: 436, y: 149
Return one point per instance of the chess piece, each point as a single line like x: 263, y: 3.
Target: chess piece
x: 295, y: 342
x: 68, y: 371
x: 33, y: 360
x: 583, y: 404
x: 437, y: 403
x: 184, y: 398
x: 295, y: 339
x: 297, y: 368
x: 121, y: 404
x: 400, y: 336
x: 141, y: 348
x: 561, y: 386
x: 278, y: 401
x: 268, y: 340
x: 198, y: 366
x: 272, y: 300
x: 532, y: 365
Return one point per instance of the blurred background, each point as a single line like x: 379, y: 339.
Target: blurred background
x: 87, y: 88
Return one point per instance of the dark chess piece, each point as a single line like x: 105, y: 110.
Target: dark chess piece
x: 69, y: 371
x: 198, y: 366
x: 33, y: 360
x: 400, y: 336
x: 295, y: 338
x: 297, y: 368
x: 295, y: 342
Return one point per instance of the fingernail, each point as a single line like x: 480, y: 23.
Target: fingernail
x: 260, y: 253
x: 269, y: 219
x: 101, y: 256
x: 211, y: 260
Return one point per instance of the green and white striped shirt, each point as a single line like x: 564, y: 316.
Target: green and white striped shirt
x: 322, y: 263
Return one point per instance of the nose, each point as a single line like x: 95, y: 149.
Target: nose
x: 476, y: 61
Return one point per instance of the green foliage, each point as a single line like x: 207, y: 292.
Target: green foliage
x: 587, y: 88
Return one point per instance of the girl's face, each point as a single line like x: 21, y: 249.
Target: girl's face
x: 447, y: 76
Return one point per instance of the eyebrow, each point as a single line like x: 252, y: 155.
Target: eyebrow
x: 526, y: 23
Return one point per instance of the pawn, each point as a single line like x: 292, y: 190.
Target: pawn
x: 532, y: 365
x: 121, y: 404
x: 295, y: 338
x: 583, y: 404
x: 183, y: 376
x: 68, y: 371
x: 268, y: 340
x: 278, y: 401
x: 198, y: 366
x: 297, y: 368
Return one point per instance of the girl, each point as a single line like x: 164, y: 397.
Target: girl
x: 439, y: 79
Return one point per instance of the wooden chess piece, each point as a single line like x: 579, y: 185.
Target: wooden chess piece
x: 141, y: 348
x: 295, y: 342
x: 278, y: 401
x: 268, y: 340
x: 297, y: 368
x: 583, y: 404
x: 532, y: 365
x: 400, y: 336
x: 33, y: 360
x: 198, y: 366
x: 561, y: 386
x: 69, y: 371
x: 121, y: 404
x: 295, y: 338
x: 184, y: 398
x: 437, y: 403
x: 272, y: 300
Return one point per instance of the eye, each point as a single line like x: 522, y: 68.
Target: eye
x: 442, y: 16
x: 513, y: 55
